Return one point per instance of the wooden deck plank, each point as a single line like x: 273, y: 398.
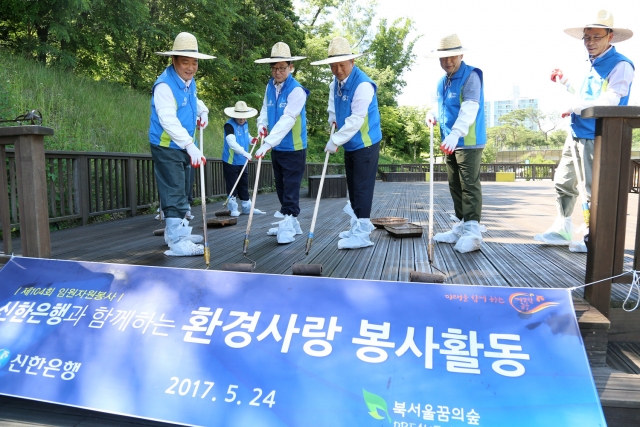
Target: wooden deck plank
x: 513, y: 213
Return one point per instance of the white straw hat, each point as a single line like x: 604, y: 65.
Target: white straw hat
x: 185, y: 44
x: 603, y: 20
x: 240, y: 111
x: 339, y: 50
x: 448, y: 46
x: 280, y: 52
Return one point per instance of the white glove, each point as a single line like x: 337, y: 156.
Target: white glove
x: 449, y: 144
x: 204, y: 120
x: 246, y: 155
x: 196, y: 155
x: 430, y: 119
x: 262, y: 151
x: 331, y: 147
x: 262, y: 131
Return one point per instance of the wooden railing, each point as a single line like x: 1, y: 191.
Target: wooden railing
x: 522, y: 170
x: 82, y: 185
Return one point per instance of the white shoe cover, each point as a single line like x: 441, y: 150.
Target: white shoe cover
x: 188, y: 216
x: 352, y: 219
x: 274, y: 230
x: 578, y: 246
x: 193, y: 237
x: 286, y: 230
x: 184, y: 247
x: 558, y: 234
x: 452, y: 235
x: 183, y: 230
x: 471, y: 239
x: 359, y: 236
x: 278, y: 214
x: 177, y: 234
x: 246, y: 208
x: 233, y: 206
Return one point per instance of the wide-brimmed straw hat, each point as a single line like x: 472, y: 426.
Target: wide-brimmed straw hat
x: 339, y: 50
x: 448, y: 46
x: 280, y: 52
x: 603, y: 20
x: 240, y: 111
x: 185, y: 44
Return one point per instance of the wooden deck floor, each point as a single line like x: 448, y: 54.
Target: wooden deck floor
x: 513, y: 213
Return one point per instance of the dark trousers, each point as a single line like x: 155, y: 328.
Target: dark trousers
x: 288, y: 169
x: 172, y: 169
x: 463, y: 174
x: 231, y: 173
x: 361, y: 167
x: 190, y: 178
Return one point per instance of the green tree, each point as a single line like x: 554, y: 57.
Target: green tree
x: 393, y: 53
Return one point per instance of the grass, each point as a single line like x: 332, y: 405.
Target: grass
x: 86, y: 115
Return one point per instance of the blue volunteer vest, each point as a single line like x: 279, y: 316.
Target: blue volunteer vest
x: 593, y: 86
x: 242, y: 137
x: 296, y: 139
x: 370, y: 132
x: 186, y: 108
x: 449, y: 102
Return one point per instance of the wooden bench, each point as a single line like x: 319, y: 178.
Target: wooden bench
x: 334, y: 186
x: 594, y: 328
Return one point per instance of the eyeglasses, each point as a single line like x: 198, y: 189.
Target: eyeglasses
x: 594, y: 38
x: 279, y: 69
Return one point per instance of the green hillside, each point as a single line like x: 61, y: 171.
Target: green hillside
x: 85, y: 115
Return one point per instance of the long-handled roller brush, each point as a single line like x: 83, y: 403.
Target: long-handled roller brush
x: 203, y: 199
x: 227, y: 212
x: 431, y: 277
x: 313, y: 269
x: 246, y: 267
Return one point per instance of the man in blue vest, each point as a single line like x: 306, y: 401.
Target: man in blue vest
x: 235, y: 154
x: 283, y: 123
x: 607, y: 83
x: 175, y: 112
x: 462, y: 130
x: 353, y: 109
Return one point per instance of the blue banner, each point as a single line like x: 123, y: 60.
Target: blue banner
x: 213, y: 348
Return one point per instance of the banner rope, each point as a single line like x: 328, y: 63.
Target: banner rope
x: 635, y: 284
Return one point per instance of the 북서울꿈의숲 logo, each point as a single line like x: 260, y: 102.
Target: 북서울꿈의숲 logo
x: 375, y: 404
x: 5, y: 355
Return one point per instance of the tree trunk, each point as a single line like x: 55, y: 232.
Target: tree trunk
x: 43, y: 38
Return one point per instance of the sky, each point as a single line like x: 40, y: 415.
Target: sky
x: 513, y: 42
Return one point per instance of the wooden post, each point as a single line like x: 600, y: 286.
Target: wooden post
x: 32, y: 187
x: 5, y: 217
x: 609, y: 196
